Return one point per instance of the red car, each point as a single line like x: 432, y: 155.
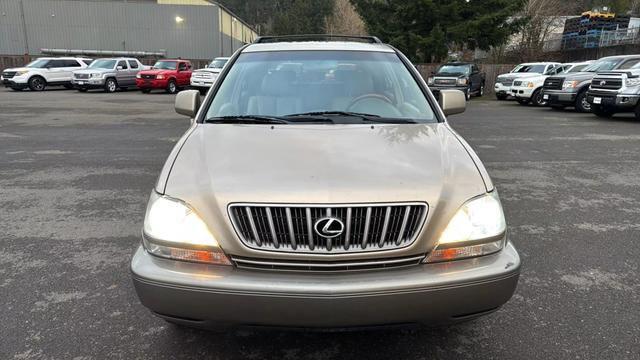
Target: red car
x: 168, y: 75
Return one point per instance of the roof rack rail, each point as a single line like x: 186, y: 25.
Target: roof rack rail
x: 316, y: 37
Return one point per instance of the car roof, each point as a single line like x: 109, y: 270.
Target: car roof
x: 221, y: 58
x: 621, y: 56
x: 318, y: 45
x: 539, y: 63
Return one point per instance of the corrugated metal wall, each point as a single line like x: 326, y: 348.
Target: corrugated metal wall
x: 106, y: 25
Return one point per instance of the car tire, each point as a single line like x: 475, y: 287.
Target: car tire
x: 501, y: 97
x: 581, y: 102
x: 481, y: 91
x: 603, y: 112
x: 110, y: 85
x: 172, y: 87
x: 145, y: 91
x: 522, y: 101
x: 37, y: 83
x: 467, y: 93
x: 537, y: 98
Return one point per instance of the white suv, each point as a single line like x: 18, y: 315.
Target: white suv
x: 43, y: 72
x: 528, y: 89
x: 505, y: 81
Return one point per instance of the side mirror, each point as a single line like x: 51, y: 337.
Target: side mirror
x: 452, y: 102
x: 188, y: 103
x: 119, y: 68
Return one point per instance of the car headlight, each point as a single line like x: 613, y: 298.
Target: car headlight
x: 430, y: 81
x: 96, y: 75
x: 633, y: 82
x: 478, y: 228
x: 21, y: 72
x: 570, y: 84
x: 160, y: 77
x: 138, y: 76
x: 172, y: 229
x: 529, y: 84
x: 462, y: 82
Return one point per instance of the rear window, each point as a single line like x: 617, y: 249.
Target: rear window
x: 282, y: 83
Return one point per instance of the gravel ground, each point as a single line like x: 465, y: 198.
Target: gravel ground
x: 76, y: 170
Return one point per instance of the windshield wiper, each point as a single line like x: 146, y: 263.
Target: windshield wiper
x: 247, y: 119
x: 366, y: 118
x: 390, y: 121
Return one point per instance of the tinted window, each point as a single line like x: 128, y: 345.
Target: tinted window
x: 182, y: 66
x: 133, y: 64
x: 57, y: 64
x: 123, y: 64
x: 71, y: 63
x: 629, y: 64
x: 281, y: 83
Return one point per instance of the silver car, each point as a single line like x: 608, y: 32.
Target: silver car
x: 109, y: 74
x: 332, y: 193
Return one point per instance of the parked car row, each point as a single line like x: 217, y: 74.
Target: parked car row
x: 604, y: 87
x: 111, y: 74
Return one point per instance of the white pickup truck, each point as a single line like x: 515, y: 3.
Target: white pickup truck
x: 504, y: 82
x: 528, y: 89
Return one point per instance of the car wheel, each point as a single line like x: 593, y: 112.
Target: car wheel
x: 145, y: 91
x: 603, y: 112
x: 172, y: 88
x: 501, y: 97
x: 538, y: 99
x: 467, y: 93
x: 582, y: 105
x: 37, y: 83
x: 522, y: 101
x: 110, y: 85
x: 481, y: 91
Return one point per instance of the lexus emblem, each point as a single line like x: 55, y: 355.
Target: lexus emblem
x: 329, y: 227
x: 603, y: 83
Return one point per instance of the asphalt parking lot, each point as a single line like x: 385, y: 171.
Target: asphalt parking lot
x: 76, y: 170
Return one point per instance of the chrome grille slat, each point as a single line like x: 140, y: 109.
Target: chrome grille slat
x: 290, y: 228
x: 353, y: 265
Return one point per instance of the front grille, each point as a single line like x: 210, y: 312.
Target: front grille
x: 444, y: 81
x: 290, y: 228
x: 325, y: 266
x: 552, y: 83
x: 81, y: 76
x: 606, y: 83
x: 505, y: 81
x: 148, y: 76
x: 203, y: 75
x: 517, y: 83
x: 8, y: 74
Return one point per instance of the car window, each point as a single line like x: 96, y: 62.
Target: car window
x: 103, y: 64
x: 577, y: 68
x: 454, y: 69
x: 217, y: 64
x: 281, y: 83
x: 57, y: 64
x: 182, y: 66
x: 123, y: 64
x: 165, y: 65
x: 87, y: 61
x: 39, y: 63
x: 133, y: 64
x: 629, y: 64
x: 475, y: 69
x: 525, y: 68
x: 71, y: 63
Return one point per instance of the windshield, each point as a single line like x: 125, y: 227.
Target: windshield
x: 165, y: 65
x: 577, y: 68
x: 455, y: 69
x: 217, y: 64
x: 281, y: 83
x: 40, y: 63
x: 602, y: 65
x: 527, y: 68
x: 103, y: 64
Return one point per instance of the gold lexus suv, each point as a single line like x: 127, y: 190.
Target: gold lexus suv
x: 320, y: 186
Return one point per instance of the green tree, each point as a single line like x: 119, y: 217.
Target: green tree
x: 425, y: 29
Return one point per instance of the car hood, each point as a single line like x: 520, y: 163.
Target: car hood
x: 156, y: 71
x: 450, y: 75
x: 92, y: 71
x: 578, y: 76
x: 323, y: 164
x: 210, y: 70
x: 517, y: 75
x: 17, y: 69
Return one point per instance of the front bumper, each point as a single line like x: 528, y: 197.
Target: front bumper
x: 522, y: 92
x: 222, y: 296
x: 16, y: 82
x: 202, y: 83
x: 618, y: 102
x: 558, y: 97
x: 500, y: 89
x: 88, y: 83
x: 152, y: 83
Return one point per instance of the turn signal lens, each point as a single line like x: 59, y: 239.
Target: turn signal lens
x: 160, y: 77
